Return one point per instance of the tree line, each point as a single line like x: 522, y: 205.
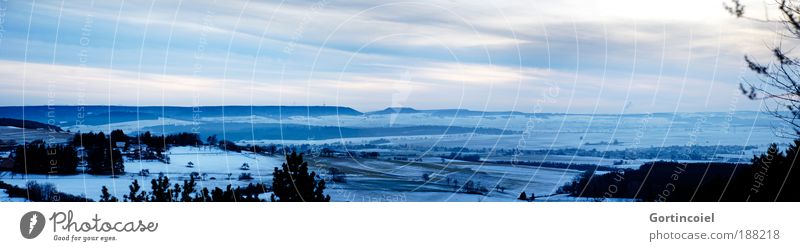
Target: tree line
x: 767, y: 178
x: 41, y: 158
x: 34, y: 191
x: 162, y: 190
x: 99, y: 151
x: 102, y: 157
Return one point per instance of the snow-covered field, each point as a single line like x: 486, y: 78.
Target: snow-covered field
x: 17, y: 134
x: 216, y: 168
x: 382, y: 180
x: 366, y: 179
x: 130, y: 126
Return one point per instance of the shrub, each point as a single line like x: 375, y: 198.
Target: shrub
x: 245, y: 176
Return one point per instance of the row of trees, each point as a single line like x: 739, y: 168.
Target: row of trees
x: 101, y: 156
x: 464, y: 157
x: 158, y: 143
x: 101, y: 153
x: 34, y: 191
x: 162, y: 190
x: 41, y: 158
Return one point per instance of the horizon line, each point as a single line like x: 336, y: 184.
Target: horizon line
x: 387, y: 108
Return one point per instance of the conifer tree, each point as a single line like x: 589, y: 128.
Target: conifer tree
x: 105, y: 196
x: 293, y: 182
x: 161, y: 191
x: 188, y: 189
x: 134, y: 195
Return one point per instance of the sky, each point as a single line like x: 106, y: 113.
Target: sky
x: 574, y: 56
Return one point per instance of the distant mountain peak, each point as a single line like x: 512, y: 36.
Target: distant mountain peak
x: 392, y: 110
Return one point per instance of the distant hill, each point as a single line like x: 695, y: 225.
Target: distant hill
x: 395, y: 110
x: 100, y: 115
x: 66, y: 116
x: 246, y: 131
x: 465, y: 112
x: 444, y: 112
x: 27, y: 124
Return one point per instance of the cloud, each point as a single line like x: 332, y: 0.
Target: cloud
x: 493, y: 55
